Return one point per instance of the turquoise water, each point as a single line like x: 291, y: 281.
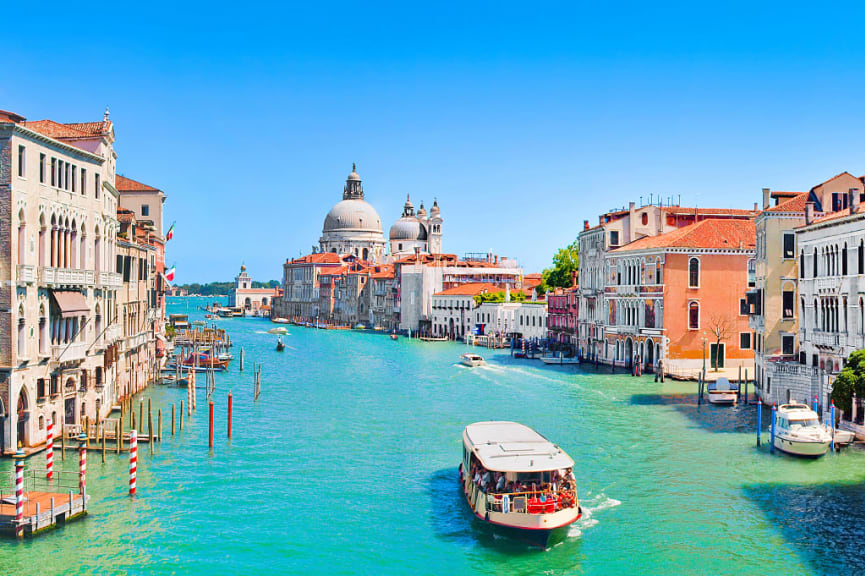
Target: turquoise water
x: 347, y: 465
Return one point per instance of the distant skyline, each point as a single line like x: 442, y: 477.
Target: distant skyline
x: 522, y: 120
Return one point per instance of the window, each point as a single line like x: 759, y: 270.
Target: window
x: 22, y: 161
x: 645, y: 218
x: 752, y: 273
x: 815, y: 262
x: 744, y: 341
x: 787, y: 344
x: 743, y: 307
x: 42, y: 168
x: 74, y: 178
x: 614, y: 237
x: 54, y: 171
x: 83, y: 182
x: 145, y: 210
x: 693, y: 273
x: 802, y: 264
x: 861, y: 258
x: 659, y: 279
x: 96, y: 185
x: 839, y: 201
x: 694, y: 316
x: 787, y: 305
x: 789, y: 241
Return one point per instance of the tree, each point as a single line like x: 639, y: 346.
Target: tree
x: 851, y: 379
x: 721, y: 327
x: 566, y: 261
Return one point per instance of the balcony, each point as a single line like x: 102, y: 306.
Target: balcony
x: 830, y: 339
x: 52, y: 277
x: 133, y: 342
x: 829, y: 284
x: 69, y: 352
x: 26, y: 274
x: 110, y: 280
x: 112, y: 334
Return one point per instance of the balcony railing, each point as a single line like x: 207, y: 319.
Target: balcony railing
x: 69, y: 352
x: 110, y: 280
x: 133, y: 342
x: 26, y: 273
x: 49, y: 276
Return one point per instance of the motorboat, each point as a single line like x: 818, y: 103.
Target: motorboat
x: 472, y: 360
x: 518, y: 481
x: 394, y: 337
x: 560, y: 358
x: 722, y: 391
x: 798, y: 431
x: 279, y: 330
x: 279, y: 320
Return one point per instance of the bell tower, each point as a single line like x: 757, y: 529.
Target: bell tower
x: 434, y: 225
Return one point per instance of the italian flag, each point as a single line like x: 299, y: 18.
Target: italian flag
x: 170, y: 234
x: 169, y: 274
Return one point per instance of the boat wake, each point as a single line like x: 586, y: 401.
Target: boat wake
x: 591, y: 506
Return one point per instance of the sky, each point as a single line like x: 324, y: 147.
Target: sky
x: 521, y: 119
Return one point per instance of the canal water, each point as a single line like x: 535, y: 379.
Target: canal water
x: 347, y: 464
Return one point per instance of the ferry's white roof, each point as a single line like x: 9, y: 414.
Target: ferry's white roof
x: 513, y: 447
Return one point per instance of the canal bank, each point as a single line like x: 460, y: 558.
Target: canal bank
x: 348, y: 464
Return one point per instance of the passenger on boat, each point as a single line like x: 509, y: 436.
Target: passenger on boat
x: 500, y: 483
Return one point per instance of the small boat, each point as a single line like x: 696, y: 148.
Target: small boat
x: 843, y: 438
x: 798, y: 432
x: 279, y: 320
x: 518, y: 481
x: 560, y: 358
x: 723, y: 392
x: 394, y: 337
x: 280, y: 330
x: 205, y: 360
x: 360, y: 326
x: 472, y: 360
x: 279, y: 345
x: 520, y: 355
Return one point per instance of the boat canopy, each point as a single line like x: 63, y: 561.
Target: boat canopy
x: 513, y: 447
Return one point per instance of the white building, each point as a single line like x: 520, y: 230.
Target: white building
x: 253, y: 301
x: 523, y: 319
x: 452, y: 309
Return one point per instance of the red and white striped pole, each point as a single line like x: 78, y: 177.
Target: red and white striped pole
x: 49, y: 451
x: 82, y: 463
x: 133, y: 460
x: 19, y: 493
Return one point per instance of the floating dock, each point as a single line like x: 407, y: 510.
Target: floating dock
x: 44, y: 508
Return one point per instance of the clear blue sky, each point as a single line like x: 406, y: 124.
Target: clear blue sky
x: 523, y: 119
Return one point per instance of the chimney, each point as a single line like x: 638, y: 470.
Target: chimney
x: 585, y: 224
x: 631, y: 206
x: 755, y: 206
x: 853, y: 201
x: 765, y: 198
x: 809, y: 213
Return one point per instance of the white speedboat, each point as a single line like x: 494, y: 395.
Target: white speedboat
x: 280, y: 330
x: 722, y: 392
x: 842, y: 437
x: 279, y: 320
x: 472, y: 360
x: 798, y: 432
x: 517, y: 480
x: 560, y: 359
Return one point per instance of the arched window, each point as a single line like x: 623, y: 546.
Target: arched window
x: 694, y: 316
x: 861, y: 257
x: 844, y: 260
x: 694, y: 273
x: 645, y: 218
x: 815, y: 262
x: 802, y: 264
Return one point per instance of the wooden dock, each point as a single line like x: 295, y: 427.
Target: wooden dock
x: 47, y: 504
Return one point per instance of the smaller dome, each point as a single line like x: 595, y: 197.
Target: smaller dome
x: 408, y: 228
x: 434, y: 211
x: 243, y: 267
x: 421, y: 212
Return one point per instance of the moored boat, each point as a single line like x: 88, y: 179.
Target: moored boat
x: 798, y: 432
x: 560, y: 359
x: 472, y: 360
x: 517, y: 480
x: 722, y: 392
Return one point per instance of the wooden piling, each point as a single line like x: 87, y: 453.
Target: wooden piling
x: 181, y: 415
x: 62, y: 438
x: 159, y: 424
x: 150, y: 432
x: 210, y: 425
x: 172, y: 419
x: 140, y: 414
x: 230, y: 401
x: 133, y: 424
x: 103, y: 443
x: 150, y: 417
x: 119, y: 436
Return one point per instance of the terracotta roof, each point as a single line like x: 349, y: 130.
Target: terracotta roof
x: 125, y: 215
x: 833, y: 178
x: 334, y: 271
x: 469, y: 289
x: 128, y: 184
x: 318, y: 258
x: 836, y: 215
x: 76, y: 130
x: 783, y: 194
x: 795, y: 204
x: 713, y: 233
x: 685, y: 211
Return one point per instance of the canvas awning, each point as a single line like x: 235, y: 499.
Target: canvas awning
x: 70, y: 303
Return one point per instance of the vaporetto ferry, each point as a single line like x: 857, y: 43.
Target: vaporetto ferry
x: 516, y: 479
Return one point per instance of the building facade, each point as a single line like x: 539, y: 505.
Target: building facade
x: 253, y: 301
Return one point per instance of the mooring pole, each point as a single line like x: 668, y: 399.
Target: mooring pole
x: 759, y: 419
x: 774, y: 418
x: 210, y: 425
x: 230, y: 402
x: 19, y: 493
x: 82, y: 462
x: 133, y: 460
x: 49, y: 451
x: 172, y: 419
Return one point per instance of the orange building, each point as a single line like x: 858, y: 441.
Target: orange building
x: 677, y: 297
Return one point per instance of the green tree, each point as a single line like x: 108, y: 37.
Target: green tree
x: 851, y: 378
x: 565, y: 262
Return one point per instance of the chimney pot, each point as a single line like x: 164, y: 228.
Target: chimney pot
x: 853, y: 201
x: 585, y: 224
x: 755, y: 206
x: 809, y: 213
x: 631, y: 206
x: 765, y: 198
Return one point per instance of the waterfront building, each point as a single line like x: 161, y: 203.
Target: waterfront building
x: 177, y: 291
x: 377, y: 294
x: 526, y: 319
x: 253, y: 301
x: 563, y: 315
x: 59, y: 284
x: 452, y: 315
x: 619, y: 228
x: 145, y: 201
x: 781, y: 300
x: 300, y: 281
x: 352, y: 226
x: 677, y: 297
x: 419, y: 233
x: 418, y: 277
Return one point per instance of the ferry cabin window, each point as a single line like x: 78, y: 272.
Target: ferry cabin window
x: 789, y: 240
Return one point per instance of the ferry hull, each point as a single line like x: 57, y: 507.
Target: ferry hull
x: 722, y: 397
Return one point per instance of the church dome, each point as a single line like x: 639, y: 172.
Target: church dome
x: 408, y: 228
x: 354, y: 215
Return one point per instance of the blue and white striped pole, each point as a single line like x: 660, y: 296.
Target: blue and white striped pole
x: 772, y: 439
x: 815, y: 403
x: 832, y: 418
x: 759, y: 419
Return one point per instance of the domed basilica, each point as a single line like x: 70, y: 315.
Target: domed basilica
x: 353, y: 227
